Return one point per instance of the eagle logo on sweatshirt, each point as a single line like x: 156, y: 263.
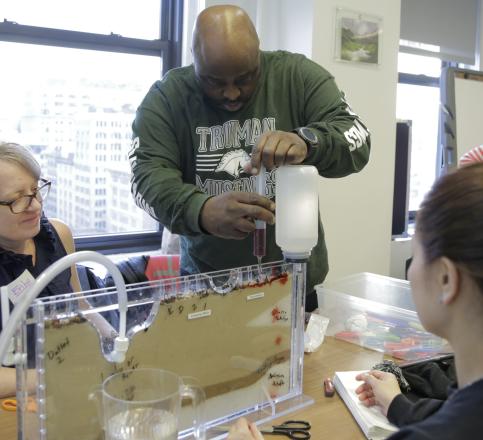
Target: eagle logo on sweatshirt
x: 232, y: 162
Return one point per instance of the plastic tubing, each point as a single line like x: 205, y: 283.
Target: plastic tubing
x: 121, y: 343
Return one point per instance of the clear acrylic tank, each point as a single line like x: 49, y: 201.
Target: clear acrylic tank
x: 237, y: 333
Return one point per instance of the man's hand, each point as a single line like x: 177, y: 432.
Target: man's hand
x: 233, y: 214
x: 379, y: 388
x: 276, y: 148
x: 242, y: 430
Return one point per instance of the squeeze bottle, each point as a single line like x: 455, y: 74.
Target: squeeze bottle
x: 297, y: 210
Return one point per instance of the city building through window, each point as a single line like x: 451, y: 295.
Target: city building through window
x: 70, y: 92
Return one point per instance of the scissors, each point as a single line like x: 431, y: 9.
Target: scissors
x: 293, y: 429
x: 11, y: 405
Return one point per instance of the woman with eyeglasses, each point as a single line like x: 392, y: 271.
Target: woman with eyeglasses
x: 29, y: 242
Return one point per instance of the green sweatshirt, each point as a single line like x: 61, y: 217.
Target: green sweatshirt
x: 185, y: 151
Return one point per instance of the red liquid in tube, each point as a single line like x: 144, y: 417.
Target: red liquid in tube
x: 259, y: 242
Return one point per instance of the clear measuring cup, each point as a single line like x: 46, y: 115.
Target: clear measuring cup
x: 145, y: 404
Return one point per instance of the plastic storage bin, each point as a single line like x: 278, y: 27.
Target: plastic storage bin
x: 377, y: 312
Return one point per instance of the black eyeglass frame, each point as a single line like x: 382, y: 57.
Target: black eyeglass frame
x: 36, y: 193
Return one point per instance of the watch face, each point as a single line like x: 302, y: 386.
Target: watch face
x: 308, y: 134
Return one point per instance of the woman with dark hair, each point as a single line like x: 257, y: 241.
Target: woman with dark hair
x: 446, y: 278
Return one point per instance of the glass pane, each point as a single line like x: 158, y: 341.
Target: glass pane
x: 419, y: 65
x: 123, y: 17
x: 75, y: 109
x: 420, y: 104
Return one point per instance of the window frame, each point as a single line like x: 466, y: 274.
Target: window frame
x: 168, y: 47
x: 425, y: 81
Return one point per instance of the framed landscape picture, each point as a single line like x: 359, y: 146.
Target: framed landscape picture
x: 358, y: 37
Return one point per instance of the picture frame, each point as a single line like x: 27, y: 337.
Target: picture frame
x: 358, y: 37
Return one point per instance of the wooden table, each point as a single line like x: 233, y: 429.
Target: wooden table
x: 329, y: 417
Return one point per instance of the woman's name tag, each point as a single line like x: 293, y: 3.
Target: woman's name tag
x: 19, y: 286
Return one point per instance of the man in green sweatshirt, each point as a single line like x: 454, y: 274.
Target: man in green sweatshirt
x: 202, y: 132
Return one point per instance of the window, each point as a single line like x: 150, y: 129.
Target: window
x: 418, y: 101
x: 123, y: 17
x: 71, y: 92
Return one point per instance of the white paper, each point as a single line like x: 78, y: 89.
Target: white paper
x: 372, y: 422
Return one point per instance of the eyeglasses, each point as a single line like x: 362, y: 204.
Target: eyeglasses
x: 23, y: 203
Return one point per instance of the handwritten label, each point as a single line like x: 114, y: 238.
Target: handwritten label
x: 126, y: 369
x: 279, y: 315
x: 255, y: 296
x: 129, y: 393
x: 59, y: 352
x: 178, y: 310
x: 202, y: 314
x: 19, y: 286
x: 277, y: 379
x: 130, y: 364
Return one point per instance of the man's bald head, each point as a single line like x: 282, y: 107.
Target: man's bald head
x: 224, y: 31
x: 226, y: 54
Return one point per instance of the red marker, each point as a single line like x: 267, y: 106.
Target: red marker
x: 329, y: 389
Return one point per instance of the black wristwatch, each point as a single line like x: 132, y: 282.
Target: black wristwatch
x: 308, y: 136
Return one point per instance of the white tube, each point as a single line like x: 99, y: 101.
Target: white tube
x: 261, y: 180
x: 5, y: 305
x: 120, y: 343
x: 8, y: 359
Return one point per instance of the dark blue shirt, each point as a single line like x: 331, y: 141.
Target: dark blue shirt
x: 458, y: 417
x: 48, y: 249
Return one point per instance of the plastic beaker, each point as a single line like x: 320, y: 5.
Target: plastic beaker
x: 145, y: 404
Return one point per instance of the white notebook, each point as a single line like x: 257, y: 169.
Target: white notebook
x: 372, y: 422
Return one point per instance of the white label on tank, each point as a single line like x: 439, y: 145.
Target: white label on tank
x: 202, y: 314
x: 255, y: 296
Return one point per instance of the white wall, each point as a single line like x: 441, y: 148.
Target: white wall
x: 284, y: 24
x: 357, y: 210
